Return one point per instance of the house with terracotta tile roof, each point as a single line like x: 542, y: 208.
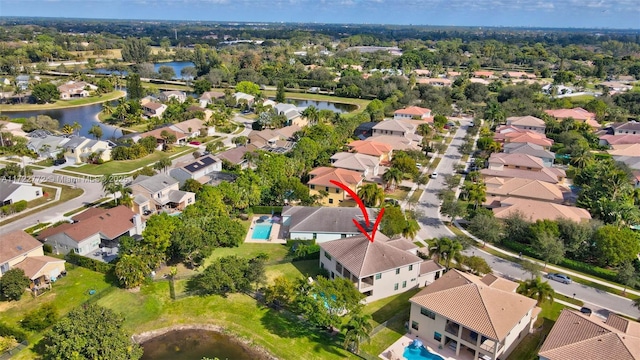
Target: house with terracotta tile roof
x: 534, y: 150
x: 93, y: 229
x: 378, y: 269
x: 381, y: 150
x: 578, y: 114
x: 626, y: 153
x: 466, y: 313
x: 578, y: 336
x: 366, y: 164
x: 435, y: 81
x: 320, y: 179
x: 528, y: 122
x: 20, y: 250
x: 521, y: 166
x: 534, y: 210
x: 484, y: 74
x: 499, y: 189
x: 518, y: 75
x: 413, y: 112
x: 397, y: 142
x: 511, y: 134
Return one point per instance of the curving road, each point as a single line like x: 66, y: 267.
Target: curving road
x: 601, y: 302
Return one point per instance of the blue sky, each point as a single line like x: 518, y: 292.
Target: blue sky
x: 526, y: 13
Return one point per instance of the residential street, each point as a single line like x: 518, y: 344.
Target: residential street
x: 432, y: 227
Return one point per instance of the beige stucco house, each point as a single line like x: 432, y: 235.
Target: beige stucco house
x: 159, y: 192
x: 320, y: 179
x: 20, y: 250
x: 484, y: 316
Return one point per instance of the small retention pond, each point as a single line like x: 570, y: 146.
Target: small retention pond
x: 194, y: 344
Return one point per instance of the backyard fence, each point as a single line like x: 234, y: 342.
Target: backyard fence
x: 6, y: 355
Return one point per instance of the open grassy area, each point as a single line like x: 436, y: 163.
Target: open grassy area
x: 127, y: 166
x: 61, y: 104
x: 399, y: 193
x: 49, y: 194
x: 415, y: 197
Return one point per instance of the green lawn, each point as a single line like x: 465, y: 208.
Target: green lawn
x: 61, y: 104
x: 126, y: 166
x: 276, y: 252
x: 415, y: 197
x: 67, y: 194
x: 529, y: 346
x: 293, y: 270
x: 399, y: 193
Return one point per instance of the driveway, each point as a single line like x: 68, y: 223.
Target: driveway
x: 432, y: 227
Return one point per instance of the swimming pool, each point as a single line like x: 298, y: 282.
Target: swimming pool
x: 261, y: 232
x: 420, y: 353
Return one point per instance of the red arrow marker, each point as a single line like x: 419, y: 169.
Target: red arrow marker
x: 364, y: 212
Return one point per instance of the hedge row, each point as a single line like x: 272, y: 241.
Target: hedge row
x: 8, y: 331
x: 267, y: 209
x: 88, y: 263
x: 14, y: 208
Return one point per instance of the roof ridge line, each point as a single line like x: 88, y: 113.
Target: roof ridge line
x: 484, y: 306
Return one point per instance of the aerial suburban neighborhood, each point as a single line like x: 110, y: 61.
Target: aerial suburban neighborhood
x: 249, y: 190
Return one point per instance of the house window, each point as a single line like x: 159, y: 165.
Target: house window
x: 428, y: 313
x: 437, y: 275
x: 395, y: 286
x: 404, y: 284
x: 397, y: 271
x: 326, y: 188
x: 378, y: 276
x: 313, y: 187
x: 326, y: 254
x: 414, y: 325
x: 437, y: 336
x: 321, y: 265
x: 337, y: 191
x: 410, y: 267
x: 330, y: 201
x: 38, y: 193
x: 342, y: 236
x: 4, y: 268
x: 315, y: 236
x: 339, y: 268
x: 189, y: 201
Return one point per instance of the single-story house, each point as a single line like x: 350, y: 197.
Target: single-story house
x: 578, y: 114
x: 378, y: 269
x: 413, y: 112
x: 534, y: 210
x: 322, y: 223
x: 153, y: 109
x: 484, y: 74
x: 579, y: 336
x: 209, y: 97
x: 498, y: 189
x: 610, y: 140
x: 48, y: 146
x: 93, y: 229
x: 20, y: 250
x: 11, y: 193
x: 244, y: 98
x: 74, y: 89
x: 484, y: 316
x: 236, y: 156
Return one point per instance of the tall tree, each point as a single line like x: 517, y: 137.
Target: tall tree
x: 45, y: 93
x: 131, y: 270
x: 392, y: 177
x: 357, y: 330
x: 537, y: 289
x: 135, y: 91
x: 486, y: 227
x: 13, y: 284
x: 135, y: 50
x: 549, y: 247
x: 90, y: 332
x: 96, y: 131
x: 162, y: 164
x: 627, y: 275
x: 371, y: 194
x: 280, y: 94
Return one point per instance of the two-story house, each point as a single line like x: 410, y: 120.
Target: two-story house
x: 377, y: 269
x: 320, y: 179
x: 20, y: 250
x: 510, y: 134
x: 78, y: 149
x: 153, y: 109
x: 527, y: 123
x: 501, y: 188
x: 368, y: 165
x: 93, y: 229
x: 380, y: 150
x: 413, y: 113
x: 521, y: 166
x: 484, y: 316
x: 178, y: 95
x: 158, y: 192
x: 13, y: 192
x: 197, y: 170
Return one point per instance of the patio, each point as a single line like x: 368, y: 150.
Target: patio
x: 395, y: 351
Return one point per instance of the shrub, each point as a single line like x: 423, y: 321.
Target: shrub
x: 47, y: 248
x: 20, y: 205
x: 88, y: 263
x: 267, y: 209
x: 41, y: 318
x: 8, y: 331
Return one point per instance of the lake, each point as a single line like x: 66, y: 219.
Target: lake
x: 195, y: 344
x: 176, y: 65
x: 86, y: 116
x: 324, y: 105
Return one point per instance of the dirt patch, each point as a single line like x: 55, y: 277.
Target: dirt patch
x: 148, y: 335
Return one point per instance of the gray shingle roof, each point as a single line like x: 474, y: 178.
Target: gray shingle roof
x: 325, y: 219
x: 7, y: 189
x: 364, y: 258
x: 155, y: 183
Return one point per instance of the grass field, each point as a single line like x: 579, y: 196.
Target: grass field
x: 60, y: 104
x: 127, y: 166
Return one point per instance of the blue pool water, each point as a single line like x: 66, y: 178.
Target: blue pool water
x: 419, y: 353
x: 261, y: 231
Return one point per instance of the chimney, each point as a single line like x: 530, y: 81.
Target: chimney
x: 138, y: 224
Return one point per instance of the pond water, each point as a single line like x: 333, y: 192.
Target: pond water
x: 324, y: 105
x: 194, y: 345
x: 176, y: 65
x: 86, y: 116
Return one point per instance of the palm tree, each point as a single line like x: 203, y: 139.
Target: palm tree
x: 581, y: 157
x: 371, y: 194
x: 455, y: 247
x: 110, y: 185
x: 312, y: 115
x: 67, y: 129
x: 411, y: 229
x: 537, y: 289
x: 357, y: 331
x: 477, y: 193
x: 392, y: 177
x: 76, y: 127
x: 107, y: 109
x: 125, y: 196
x: 1, y: 138
x: 162, y: 164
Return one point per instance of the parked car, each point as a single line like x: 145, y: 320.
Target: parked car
x: 392, y: 202
x: 559, y: 277
x: 434, y: 175
x: 585, y: 310
x: 195, y: 143
x: 59, y: 161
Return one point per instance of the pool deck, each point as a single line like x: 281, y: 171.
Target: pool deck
x: 395, y: 351
x: 274, y: 236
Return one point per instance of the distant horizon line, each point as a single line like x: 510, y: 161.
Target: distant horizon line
x: 248, y: 22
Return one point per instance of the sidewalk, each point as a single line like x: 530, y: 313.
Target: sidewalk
x: 550, y: 267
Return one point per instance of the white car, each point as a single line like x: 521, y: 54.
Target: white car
x: 434, y: 175
x: 560, y: 277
